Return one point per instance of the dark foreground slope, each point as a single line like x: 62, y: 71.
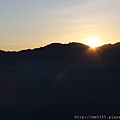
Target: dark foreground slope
x: 59, y: 81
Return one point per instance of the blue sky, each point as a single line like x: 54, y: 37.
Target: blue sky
x: 33, y: 23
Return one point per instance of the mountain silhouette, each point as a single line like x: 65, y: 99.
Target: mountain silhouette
x: 59, y: 81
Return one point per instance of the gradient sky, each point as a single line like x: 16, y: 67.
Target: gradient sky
x: 34, y: 23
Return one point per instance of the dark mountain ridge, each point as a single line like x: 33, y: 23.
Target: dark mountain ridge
x: 60, y: 81
x: 59, y: 50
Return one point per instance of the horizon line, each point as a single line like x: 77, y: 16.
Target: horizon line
x: 54, y: 43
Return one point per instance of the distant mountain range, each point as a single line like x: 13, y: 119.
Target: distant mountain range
x: 59, y: 81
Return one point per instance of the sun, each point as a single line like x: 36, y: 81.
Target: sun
x: 93, y: 42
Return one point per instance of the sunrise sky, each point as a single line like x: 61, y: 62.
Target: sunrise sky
x: 28, y: 24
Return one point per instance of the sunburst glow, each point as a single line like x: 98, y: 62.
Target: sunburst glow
x: 93, y: 42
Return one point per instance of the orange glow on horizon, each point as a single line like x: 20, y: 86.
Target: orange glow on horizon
x: 93, y: 42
